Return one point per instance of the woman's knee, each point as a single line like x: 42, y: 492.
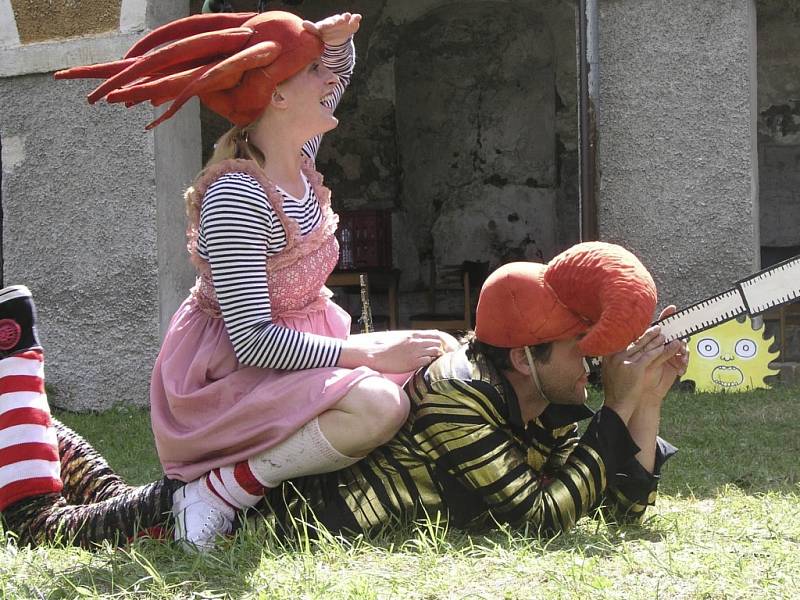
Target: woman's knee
x: 382, y: 407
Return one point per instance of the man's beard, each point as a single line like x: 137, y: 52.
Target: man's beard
x: 564, y: 394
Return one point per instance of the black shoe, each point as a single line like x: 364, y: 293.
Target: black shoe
x: 17, y: 321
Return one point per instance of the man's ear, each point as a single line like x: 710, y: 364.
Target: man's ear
x: 518, y: 360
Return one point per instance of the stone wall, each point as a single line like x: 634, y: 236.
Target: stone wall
x: 462, y: 120
x: 779, y: 125
x: 40, y: 20
x: 475, y: 116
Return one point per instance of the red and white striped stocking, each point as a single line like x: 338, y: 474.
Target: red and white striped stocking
x: 29, y: 462
x: 306, y: 452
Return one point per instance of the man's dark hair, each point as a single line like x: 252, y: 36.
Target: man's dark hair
x: 499, y: 357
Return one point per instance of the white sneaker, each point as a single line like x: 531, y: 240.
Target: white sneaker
x: 199, y: 516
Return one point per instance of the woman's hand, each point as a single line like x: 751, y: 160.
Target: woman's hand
x: 393, y: 351
x: 336, y: 29
x: 449, y: 343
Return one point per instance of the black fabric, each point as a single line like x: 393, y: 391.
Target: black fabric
x: 309, y: 499
x: 23, y: 311
x: 634, y: 481
x: 608, y: 435
x: 78, y: 458
x: 559, y: 415
x: 48, y: 519
x: 95, y: 505
x: 464, y: 504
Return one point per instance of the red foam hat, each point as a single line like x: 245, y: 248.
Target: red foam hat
x: 595, y: 287
x: 231, y: 61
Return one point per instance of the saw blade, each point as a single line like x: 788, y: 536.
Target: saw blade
x: 772, y: 287
x: 752, y: 295
x: 703, y: 315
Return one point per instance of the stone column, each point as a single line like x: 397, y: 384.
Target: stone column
x: 92, y: 209
x: 677, y: 146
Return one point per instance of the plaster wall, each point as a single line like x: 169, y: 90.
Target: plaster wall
x: 676, y: 130
x: 79, y: 229
x: 93, y: 213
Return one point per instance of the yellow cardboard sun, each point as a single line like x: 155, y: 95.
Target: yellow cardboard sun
x: 730, y: 357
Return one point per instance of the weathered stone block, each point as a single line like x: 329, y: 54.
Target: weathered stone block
x: 499, y: 225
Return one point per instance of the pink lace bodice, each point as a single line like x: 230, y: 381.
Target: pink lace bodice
x: 296, y: 275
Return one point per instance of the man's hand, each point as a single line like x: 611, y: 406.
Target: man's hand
x: 660, y: 378
x: 336, y: 29
x: 643, y: 372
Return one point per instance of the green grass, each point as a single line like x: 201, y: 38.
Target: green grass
x: 124, y: 437
x: 727, y: 525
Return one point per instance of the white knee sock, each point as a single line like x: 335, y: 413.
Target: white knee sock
x: 307, y: 452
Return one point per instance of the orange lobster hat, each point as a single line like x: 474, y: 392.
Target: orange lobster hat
x: 231, y: 61
x: 594, y: 287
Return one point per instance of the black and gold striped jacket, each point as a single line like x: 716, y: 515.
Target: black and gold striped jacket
x: 465, y: 454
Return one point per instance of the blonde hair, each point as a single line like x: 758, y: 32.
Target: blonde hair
x: 234, y: 143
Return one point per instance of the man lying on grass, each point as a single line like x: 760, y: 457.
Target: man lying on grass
x: 492, y: 434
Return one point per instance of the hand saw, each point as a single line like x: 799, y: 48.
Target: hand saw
x: 754, y: 294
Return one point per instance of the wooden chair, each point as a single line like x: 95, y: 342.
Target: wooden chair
x: 788, y: 314
x: 464, y: 277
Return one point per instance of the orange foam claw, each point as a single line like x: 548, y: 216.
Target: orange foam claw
x: 188, y: 26
x: 229, y: 72
x: 98, y: 71
x: 207, y: 44
x: 224, y: 75
x: 104, y: 70
x: 159, y: 88
x: 166, y: 65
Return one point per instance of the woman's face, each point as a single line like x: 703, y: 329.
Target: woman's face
x: 308, y: 98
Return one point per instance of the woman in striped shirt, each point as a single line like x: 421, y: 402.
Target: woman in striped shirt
x: 258, y: 379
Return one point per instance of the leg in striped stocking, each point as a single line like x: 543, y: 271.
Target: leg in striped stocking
x: 48, y: 519
x: 29, y: 462
x: 86, y: 475
x: 206, y: 507
x: 95, y: 505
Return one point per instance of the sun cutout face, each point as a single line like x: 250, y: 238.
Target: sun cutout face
x: 731, y: 357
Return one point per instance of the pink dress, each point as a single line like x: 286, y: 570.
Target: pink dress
x: 207, y: 409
